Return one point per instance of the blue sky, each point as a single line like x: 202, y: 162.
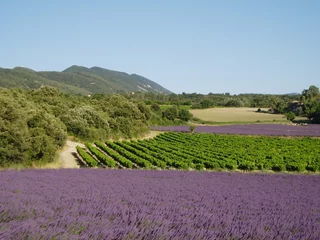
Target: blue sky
x: 186, y: 46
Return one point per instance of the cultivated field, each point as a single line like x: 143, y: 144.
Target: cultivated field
x: 235, y: 115
x: 310, y: 130
x: 206, y: 152
x: 123, y: 204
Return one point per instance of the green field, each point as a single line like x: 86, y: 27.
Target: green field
x: 208, y: 152
x: 235, y: 115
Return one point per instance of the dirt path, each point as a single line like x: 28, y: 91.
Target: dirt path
x: 152, y: 134
x: 149, y: 135
x: 66, y: 156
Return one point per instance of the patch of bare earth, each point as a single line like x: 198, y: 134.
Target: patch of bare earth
x: 151, y: 134
x: 67, y: 155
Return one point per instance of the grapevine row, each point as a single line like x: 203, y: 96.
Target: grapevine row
x: 87, y: 157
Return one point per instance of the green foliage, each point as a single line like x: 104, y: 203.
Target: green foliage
x: 312, y: 111
x: 130, y: 156
x: 100, y: 156
x: 290, y: 116
x: 311, y: 103
x: 86, y: 157
x: 34, y: 124
x: 175, y: 114
x: 155, y: 107
x: 145, y: 110
x: 171, y: 113
x: 28, y: 134
x: 201, y: 101
x: 115, y: 155
x: 233, y: 103
x: 247, y: 165
x: 309, y: 95
x: 184, y: 115
x: 210, y: 151
x: 278, y: 167
x: 239, y: 152
x: 141, y: 154
x: 192, y: 128
x: 86, y: 123
x: 206, y: 103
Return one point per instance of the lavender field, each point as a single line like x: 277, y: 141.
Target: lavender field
x: 312, y: 130
x: 135, y: 204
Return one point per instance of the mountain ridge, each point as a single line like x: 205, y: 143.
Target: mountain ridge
x: 79, y: 80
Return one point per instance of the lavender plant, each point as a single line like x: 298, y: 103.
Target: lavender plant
x: 135, y: 204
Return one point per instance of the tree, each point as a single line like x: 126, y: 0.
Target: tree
x: 170, y: 113
x: 308, y: 95
x: 312, y: 111
x: 185, y: 115
x: 145, y: 110
x: 206, y: 103
x: 155, y: 107
x: 313, y: 91
x: 311, y: 103
x: 280, y: 107
x: 28, y: 133
x: 233, y: 103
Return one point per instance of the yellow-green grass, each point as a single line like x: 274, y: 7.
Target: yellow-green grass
x: 237, y: 115
x: 164, y: 107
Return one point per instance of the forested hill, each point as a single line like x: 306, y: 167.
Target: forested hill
x: 79, y: 80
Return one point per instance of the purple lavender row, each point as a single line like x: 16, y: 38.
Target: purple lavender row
x: 265, y: 129
x: 124, y: 204
x: 251, y: 129
x: 314, y: 127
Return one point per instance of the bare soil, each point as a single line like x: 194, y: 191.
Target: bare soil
x: 67, y: 157
x: 151, y: 134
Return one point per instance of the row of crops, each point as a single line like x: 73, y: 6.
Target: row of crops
x: 206, y: 152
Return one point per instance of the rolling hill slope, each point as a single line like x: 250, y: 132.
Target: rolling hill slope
x: 79, y: 80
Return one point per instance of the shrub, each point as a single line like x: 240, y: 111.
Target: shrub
x: 278, y: 167
x: 101, y: 156
x: 290, y: 116
x: 246, y: 165
x: 199, y: 166
x: 192, y: 128
x: 86, y: 157
x: 231, y: 165
x: 155, y: 107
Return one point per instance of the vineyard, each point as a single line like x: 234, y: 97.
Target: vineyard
x: 202, y: 151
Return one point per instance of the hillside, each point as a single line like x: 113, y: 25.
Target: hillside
x: 79, y: 80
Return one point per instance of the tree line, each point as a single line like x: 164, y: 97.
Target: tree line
x: 202, y: 101
x: 306, y: 104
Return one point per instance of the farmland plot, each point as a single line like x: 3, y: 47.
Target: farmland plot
x: 123, y: 204
x: 311, y: 130
x: 211, y: 152
x: 237, y: 115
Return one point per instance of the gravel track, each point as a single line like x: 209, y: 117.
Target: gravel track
x: 67, y: 157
